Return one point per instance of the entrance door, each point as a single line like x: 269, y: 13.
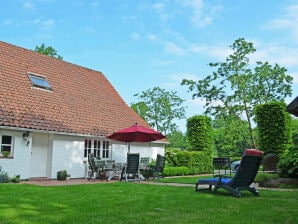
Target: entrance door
x: 40, y: 145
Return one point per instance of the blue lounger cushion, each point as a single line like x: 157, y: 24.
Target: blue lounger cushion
x: 213, y: 181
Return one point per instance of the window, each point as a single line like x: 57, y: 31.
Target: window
x: 99, y: 150
x: 87, y: 148
x: 96, y: 149
x: 6, y: 145
x: 39, y: 81
x: 105, y: 151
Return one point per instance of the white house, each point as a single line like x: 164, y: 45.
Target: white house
x: 54, y: 113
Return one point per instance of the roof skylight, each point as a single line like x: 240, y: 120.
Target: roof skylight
x: 39, y: 81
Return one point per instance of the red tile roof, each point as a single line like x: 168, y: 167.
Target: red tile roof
x: 82, y: 101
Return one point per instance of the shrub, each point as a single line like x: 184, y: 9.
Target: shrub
x: 3, y: 176
x: 288, y: 165
x: 199, y: 133
x: 274, y: 128
x: 177, y: 171
x: 196, y: 162
x: 262, y: 177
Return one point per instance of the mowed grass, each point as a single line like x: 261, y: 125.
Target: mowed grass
x: 122, y: 202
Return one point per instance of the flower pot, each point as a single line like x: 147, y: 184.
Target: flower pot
x: 61, y: 175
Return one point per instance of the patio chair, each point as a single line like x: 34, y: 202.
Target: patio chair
x: 156, y: 171
x: 243, y: 178
x: 131, y: 171
x: 95, y: 168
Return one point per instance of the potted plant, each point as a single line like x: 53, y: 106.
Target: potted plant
x: 5, y: 154
x: 61, y: 175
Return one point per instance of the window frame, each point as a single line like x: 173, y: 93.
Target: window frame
x: 35, y: 78
x: 11, y: 146
x: 99, y: 148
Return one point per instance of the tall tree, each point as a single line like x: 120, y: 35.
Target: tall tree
x: 160, y: 108
x: 50, y: 51
x: 178, y: 140
x: 228, y: 140
x: 236, y: 87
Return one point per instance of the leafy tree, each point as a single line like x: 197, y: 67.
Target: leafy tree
x: 236, y: 87
x: 178, y: 140
x: 228, y: 140
x: 294, y: 125
x: 159, y: 108
x: 50, y: 51
x: 141, y: 109
x: 288, y: 165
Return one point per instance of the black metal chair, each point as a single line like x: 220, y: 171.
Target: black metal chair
x: 156, y: 171
x: 243, y: 178
x: 95, y: 168
x: 131, y: 171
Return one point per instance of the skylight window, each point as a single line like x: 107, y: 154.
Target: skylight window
x: 39, y: 81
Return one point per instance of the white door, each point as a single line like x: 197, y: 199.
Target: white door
x: 40, y: 145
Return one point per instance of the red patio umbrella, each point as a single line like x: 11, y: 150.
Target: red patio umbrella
x: 136, y: 133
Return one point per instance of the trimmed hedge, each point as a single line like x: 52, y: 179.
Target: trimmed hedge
x: 187, y: 162
x: 274, y: 127
x: 199, y: 133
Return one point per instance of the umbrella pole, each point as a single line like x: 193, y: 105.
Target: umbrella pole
x: 128, y: 147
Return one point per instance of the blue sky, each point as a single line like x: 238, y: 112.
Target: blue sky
x: 142, y: 44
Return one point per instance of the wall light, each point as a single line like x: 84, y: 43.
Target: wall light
x: 26, y: 137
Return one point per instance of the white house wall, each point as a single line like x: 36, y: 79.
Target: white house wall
x: 68, y: 154
x: 20, y: 163
x: 119, y: 150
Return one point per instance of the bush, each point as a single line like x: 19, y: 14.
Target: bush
x: 288, y: 165
x: 177, y: 171
x: 262, y: 177
x: 195, y: 162
x: 3, y: 176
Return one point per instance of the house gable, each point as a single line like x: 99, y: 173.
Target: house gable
x: 80, y: 100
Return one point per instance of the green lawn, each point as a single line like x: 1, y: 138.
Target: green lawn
x: 123, y: 202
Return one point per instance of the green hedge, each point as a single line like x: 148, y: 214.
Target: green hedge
x: 195, y: 162
x: 199, y: 133
x: 274, y: 128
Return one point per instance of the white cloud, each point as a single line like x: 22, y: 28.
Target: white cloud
x: 158, y: 7
x: 95, y: 4
x: 89, y: 30
x: 152, y: 37
x: 219, y: 52
x: 135, y: 36
x: 46, y: 24
x: 174, y: 49
x: 29, y: 5
x: 174, y: 81
x: 43, y: 23
x: 273, y: 53
x: 7, y: 22
x: 202, y: 14
x: 161, y: 63
x: 287, y: 21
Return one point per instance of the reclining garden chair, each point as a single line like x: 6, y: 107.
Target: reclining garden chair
x: 131, y: 170
x: 243, y: 178
x: 156, y: 170
x: 95, y: 169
